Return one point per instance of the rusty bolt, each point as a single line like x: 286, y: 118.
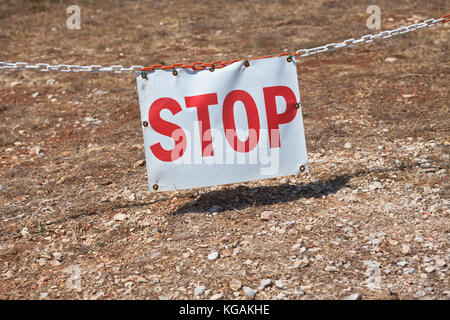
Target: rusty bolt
x: 212, y: 69
x: 175, y: 72
x: 246, y: 63
x: 289, y: 59
x: 144, y: 75
x: 155, y: 187
x: 296, y: 105
x: 302, y: 168
x: 145, y: 124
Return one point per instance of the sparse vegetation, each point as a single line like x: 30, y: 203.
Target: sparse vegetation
x: 73, y: 189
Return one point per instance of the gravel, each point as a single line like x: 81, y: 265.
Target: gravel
x: 216, y: 296
x: 265, y: 283
x: 235, y: 284
x: 279, y: 284
x: 120, y: 217
x: 353, y: 296
x: 249, y: 292
x: 213, y: 256
x: 198, y: 291
x: 406, y: 249
x: 266, y: 215
x: 377, y: 184
x: 331, y: 269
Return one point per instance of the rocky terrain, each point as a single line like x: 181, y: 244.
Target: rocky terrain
x: 369, y: 221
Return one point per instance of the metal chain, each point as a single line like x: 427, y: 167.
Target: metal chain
x: 199, y: 65
x: 67, y: 68
x: 368, y: 38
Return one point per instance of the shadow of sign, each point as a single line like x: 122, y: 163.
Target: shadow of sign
x: 243, y: 197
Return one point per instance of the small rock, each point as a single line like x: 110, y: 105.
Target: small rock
x: 419, y: 294
x: 265, y: 283
x: 302, y: 263
x: 409, y: 186
x: 120, y: 217
x: 249, y: 292
x: 353, y: 296
x: 8, y: 274
x: 440, y: 263
x: 199, y: 290
x: 213, y: 256
x: 279, y: 284
x: 347, y: 145
x: 2, y: 188
x: 215, y: 208
x: 24, y: 232
x: 280, y: 296
x: 265, y: 215
x: 390, y: 59
x: 156, y: 280
x: 139, y: 163
x: 57, y: 256
x: 375, y: 185
x: 375, y: 241
x: 44, y: 295
x: 402, y: 263
x: 42, y: 261
x: 408, y: 270
x: 50, y: 82
x: 217, y: 296
x: 35, y: 95
x: 225, y: 253
x: 35, y: 150
x: 406, y: 249
x: 430, y: 269
x: 299, y: 293
x: 55, y: 263
x: 235, y: 284
x: 331, y: 269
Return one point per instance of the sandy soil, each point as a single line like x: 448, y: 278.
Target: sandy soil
x: 371, y: 218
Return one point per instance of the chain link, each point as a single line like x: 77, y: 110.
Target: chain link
x: 368, y: 38
x: 220, y: 64
x: 68, y: 68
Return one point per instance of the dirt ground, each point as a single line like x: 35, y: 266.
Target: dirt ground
x: 371, y: 218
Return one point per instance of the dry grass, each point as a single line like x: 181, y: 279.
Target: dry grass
x: 86, y: 174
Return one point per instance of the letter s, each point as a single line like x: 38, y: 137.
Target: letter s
x: 166, y: 128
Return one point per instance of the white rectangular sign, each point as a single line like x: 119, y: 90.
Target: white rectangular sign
x: 237, y: 123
